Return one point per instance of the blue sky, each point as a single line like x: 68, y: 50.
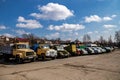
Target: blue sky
x: 65, y: 19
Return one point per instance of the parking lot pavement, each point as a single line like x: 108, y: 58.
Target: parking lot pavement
x: 90, y: 67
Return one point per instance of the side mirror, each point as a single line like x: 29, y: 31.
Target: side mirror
x: 14, y: 47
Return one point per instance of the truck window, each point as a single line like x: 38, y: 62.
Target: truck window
x: 22, y: 46
x: 60, y: 48
x: 45, y: 46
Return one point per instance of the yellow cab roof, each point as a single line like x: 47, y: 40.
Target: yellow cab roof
x: 22, y: 43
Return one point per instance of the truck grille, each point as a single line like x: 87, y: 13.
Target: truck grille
x: 52, y: 52
x: 29, y: 53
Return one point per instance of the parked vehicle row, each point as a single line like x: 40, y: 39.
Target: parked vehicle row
x: 95, y: 50
x: 21, y: 51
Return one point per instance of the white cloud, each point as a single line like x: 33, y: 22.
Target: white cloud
x: 53, y: 36
x: 53, y: 11
x: 2, y: 27
x: 81, y: 37
x: 92, y: 18
x: 109, y: 26
x: 29, y: 24
x: 118, y: 22
x: 8, y: 35
x: 89, y: 32
x: 96, y: 18
x: 105, y: 31
x: 76, y: 33
x: 113, y: 16
x: 107, y: 18
x: 20, y: 32
x: 96, y: 31
x: 66, y: 27
x: 110, y: 29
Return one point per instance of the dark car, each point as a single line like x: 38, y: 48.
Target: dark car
x: 108, y: 49
x: 62, y: 53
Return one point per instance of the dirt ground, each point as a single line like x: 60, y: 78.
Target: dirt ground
x: 89, y: 67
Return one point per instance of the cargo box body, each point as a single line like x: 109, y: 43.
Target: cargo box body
x: 6, y: 49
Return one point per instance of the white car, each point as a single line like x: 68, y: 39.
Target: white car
x: 96, y: 50
x: 102, y: 49
x: 89, y: 50
x: 83, y: 51
x: 51, y: 53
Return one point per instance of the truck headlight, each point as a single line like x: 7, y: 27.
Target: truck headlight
x: 20, y: 55
x: 48, y: 53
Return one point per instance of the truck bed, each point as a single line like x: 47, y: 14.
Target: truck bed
x: 6, y: 49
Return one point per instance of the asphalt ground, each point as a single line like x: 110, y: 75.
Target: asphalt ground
x: 87, y: 67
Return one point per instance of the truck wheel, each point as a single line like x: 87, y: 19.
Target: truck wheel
x: 6, y: 57
x: 33, y: 60
x: 18, y: 60
x: 53, y: 58
x: 43, y: 57
x: 67, y: 56
x: 61, y: 55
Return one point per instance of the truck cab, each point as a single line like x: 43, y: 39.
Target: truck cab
x: 43, y: 51
x: 19, y: 51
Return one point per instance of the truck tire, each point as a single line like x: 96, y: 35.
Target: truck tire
x: 18, y: 59
x: 6, y: 57
x: 67, y: 56
x: 43, y: 56
x: 33, y: 60
x: 1, y: 56
x: 53, y: 58
x: 61, y: 55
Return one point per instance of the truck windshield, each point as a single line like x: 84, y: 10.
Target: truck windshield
x: 22, y: 46
x: 60, y: 48
x: 45, y: 46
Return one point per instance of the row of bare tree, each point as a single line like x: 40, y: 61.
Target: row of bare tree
x: 86, y: 39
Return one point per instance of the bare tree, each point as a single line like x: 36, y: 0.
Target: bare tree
x: 110, y: 42
x: 31, y: 37
x: 102, y: 41
x: 117, y: 37
x: 86, y: 38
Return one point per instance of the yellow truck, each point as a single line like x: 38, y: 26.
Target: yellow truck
x: 18, y: 51
x: 72, y: 50
x: 43, y: 51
